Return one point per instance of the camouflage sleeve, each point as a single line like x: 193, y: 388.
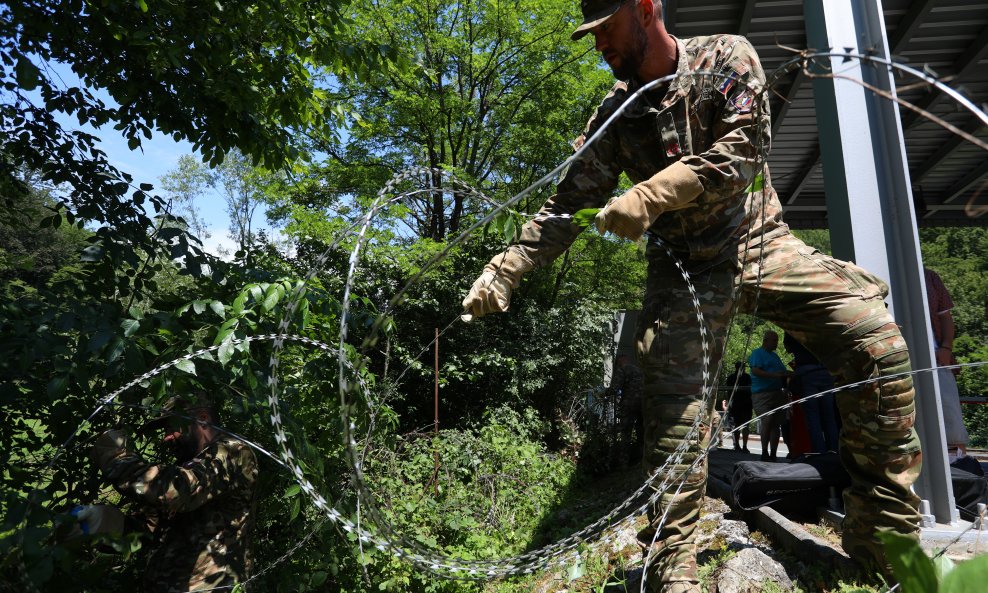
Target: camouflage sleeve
x: 182, y: 488
x: 586, y: 183
x: 741, y: 129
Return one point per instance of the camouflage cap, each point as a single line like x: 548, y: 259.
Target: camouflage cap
x: 179, y: 407
x: 595, y: 12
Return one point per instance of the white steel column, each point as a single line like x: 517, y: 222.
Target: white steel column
x: 869, y: 204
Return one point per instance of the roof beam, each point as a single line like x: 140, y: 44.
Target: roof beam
x: 669, y: 8
x: 942, y: 152
x: 787, y: 100
x: 965, y: 183
x: 909, y: 24
x: 809, y: 165
x: 961, y: 68
x: 745, y: 26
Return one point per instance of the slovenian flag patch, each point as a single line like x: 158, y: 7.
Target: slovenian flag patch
x: 727, y: 84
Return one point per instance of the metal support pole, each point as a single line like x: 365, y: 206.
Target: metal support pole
x: 869, y: 203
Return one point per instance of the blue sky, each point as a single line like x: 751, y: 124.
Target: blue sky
x: 156, y: 157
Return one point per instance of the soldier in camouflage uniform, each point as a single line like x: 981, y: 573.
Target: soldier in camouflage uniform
x: 627, y: 384
x: 199, y: 511
x: 695, y: 150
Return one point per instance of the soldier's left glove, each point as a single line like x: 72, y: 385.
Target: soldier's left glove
x: 108, y: 447
x: 629, y: 216
x: 100, y: 518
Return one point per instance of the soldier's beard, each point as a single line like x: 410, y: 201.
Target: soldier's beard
x: 183, y: 447
x: 632, y: 59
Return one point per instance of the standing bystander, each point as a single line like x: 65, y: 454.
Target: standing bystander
x: 942, y: 322
x: 768, y: 393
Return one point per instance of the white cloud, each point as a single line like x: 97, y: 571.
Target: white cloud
x: 220, y: 243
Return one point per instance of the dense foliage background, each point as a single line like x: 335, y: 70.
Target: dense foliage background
x: 309, y: 108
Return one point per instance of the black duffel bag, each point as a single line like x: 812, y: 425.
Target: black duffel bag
x: 969, y: 490
x: 800, y: 486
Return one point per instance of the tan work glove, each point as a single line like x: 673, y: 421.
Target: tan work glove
x: 108, y: 446
x: 629, y: 216
x: 491, y: 293
x: 101, y: 518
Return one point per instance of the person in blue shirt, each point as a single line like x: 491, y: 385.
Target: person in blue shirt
x: 768, y: 394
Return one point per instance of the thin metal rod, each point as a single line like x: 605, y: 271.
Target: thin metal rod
x: 435, y: 427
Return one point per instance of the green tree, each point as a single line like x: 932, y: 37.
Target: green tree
x: 227, y: 75
x: 32, y: 255
x: 498, y: 94
x: 186, y: 185
x: 960, y: 257
x: 242, y: 186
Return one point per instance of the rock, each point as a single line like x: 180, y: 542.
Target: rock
x: 735, y: 533
x: 745, y: 573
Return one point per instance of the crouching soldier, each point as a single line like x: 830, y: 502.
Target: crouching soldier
x: 199, y: 509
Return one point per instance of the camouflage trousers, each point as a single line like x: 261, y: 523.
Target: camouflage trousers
x: 836, y: 310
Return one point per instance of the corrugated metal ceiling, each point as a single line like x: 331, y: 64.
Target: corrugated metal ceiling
x: 949, y: 37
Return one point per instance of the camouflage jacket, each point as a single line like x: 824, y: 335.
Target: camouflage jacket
x: 710, y: 118
x: 204, y: 509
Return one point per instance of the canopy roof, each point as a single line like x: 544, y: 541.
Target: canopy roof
x: 947, y: 37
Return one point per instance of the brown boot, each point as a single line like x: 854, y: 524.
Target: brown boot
x: 672, y: 572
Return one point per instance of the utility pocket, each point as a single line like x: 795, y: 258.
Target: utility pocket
x: 896, y: 397
x: 653, y: 343
x: 850, y: 277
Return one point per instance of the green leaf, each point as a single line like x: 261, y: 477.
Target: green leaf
x: 238, y: 303
x: 292, y: 490
x: 225, y: 330
x: 272, y: 297
x: 56, y: 387
x: 296, y: 506
x: 186, y: 365
x: 756, y: 185
x: 198, y: 307
x: 910, y: 565
x: 217, y: 308
x: 28, y: 75
x: 115, y: 350
x: 969, y: 576
x: 225, y: 352
x: 584, y: 218
x: 130, y: 327
x: 92, y: 253
x: 942, y: 565
x: 509, y: 229
x: 576, y: 570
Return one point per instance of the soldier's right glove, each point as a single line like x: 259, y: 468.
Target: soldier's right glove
x: 108, y: 447
x: 491, y: 293
x: 630, y: 215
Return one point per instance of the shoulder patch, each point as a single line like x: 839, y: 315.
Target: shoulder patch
x: 727, y: 82
x: 743, y: 101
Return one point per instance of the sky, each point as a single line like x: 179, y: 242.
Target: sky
x: 148, y: 163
